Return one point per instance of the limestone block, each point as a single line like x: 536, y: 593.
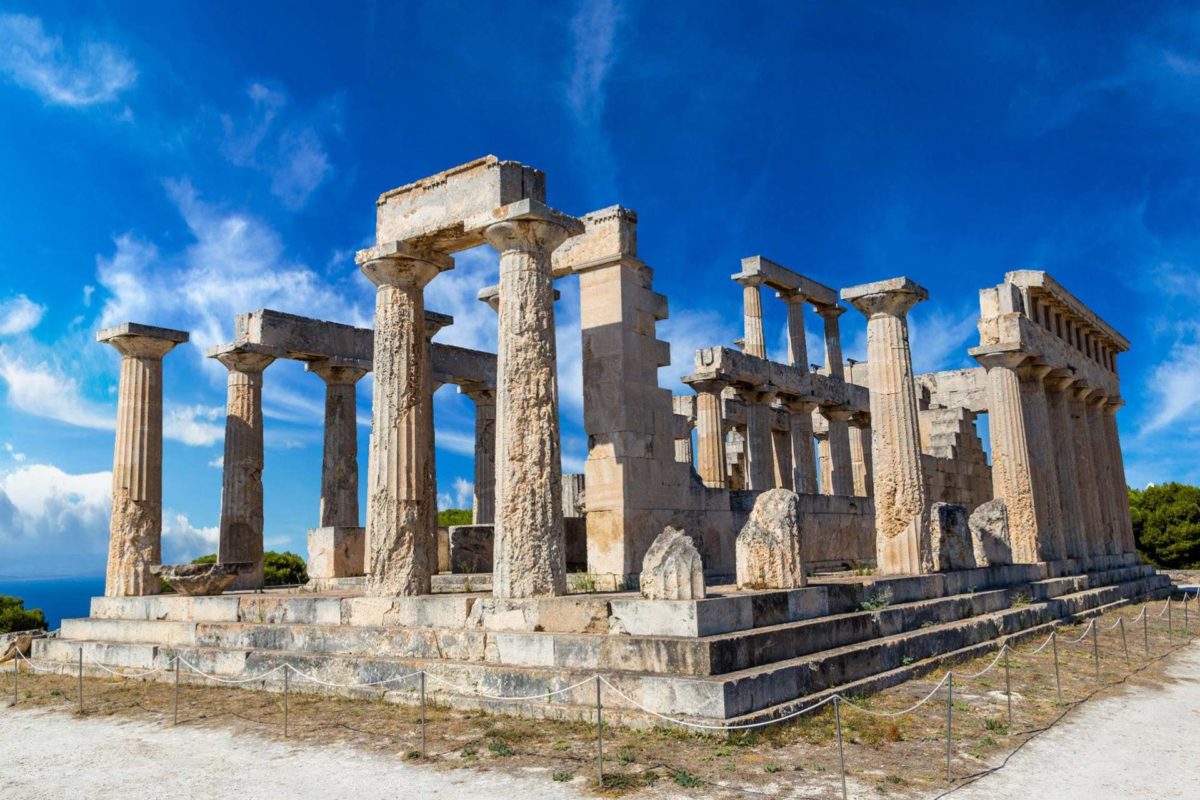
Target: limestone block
x: 950, y: 538
x: 336, y: 552
x: 989, y: 534
x: 768, y: 547
x: 471, y: 548
x: 672, y: 568
x: 194, y: 580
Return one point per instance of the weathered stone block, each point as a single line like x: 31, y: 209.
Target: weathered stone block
x: 768, y: 548
x: 672, y: 569
x: 950, y: 538
x: 336, y: 552
x: 471, y: 548
x: 989, y: 534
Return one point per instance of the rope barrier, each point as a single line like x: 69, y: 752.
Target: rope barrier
x: 124, y: 674
x: 702, y: 726
x: 988, y: 668
x: 1084, y: 635
x: 910, y: 709
x: 1045, y: 644
x: 539, y: 696
x: 314, y: 679
x: 229, y: 681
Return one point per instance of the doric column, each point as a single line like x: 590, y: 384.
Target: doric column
x: 841, y: 475
x: 1091, y: 518
x: 485, y: 454
x: 824, y: 462
x: 833, y: 340
x: 781, y: 458
x: 797, y: 339
x: 1058, y: 405
x: 804, y: 470
x: 860, y: 454
x: 339, y: 460
x: 1105, y: 483
x: 710, y: 434
x: 135, y: 530
x: 1041, y: 460
x: 760, y: 469
x: 1124, y: 523
x: 901, y: 506
x: 401, y: 544
x: 241, y: 535
x: 755, y: 340
x: 530, y: 557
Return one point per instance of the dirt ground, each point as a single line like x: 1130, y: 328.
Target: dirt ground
x: 379, y: 744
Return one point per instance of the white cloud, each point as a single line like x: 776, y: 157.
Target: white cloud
x: 91, y: 73
x: 45, y: 389
x: 19, y: 315
x: 198, y: 426
x: 301, y: 167
x: 218, y: 462
x: 13, y: 453
x: 50, y: 517
x: 689, y: 330
x: 594, y: 30
x: 939, y: 339
x: 182, y: 541
x: 1175, y: 385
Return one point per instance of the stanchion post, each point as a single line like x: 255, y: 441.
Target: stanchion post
x: 949, y: 722
x: 1007, y: 687
x: 1146, y: 629
x: 1096, y: 648
x: 422, y: 713
x: 176, y: 689
x: 1170, y: 627
x: 16, y: 676
x: 837, y: 722
x: 1124, y: 641
x: 1185, y: 616
x: 599, y: 736
x: 1057, y: 679
x: 81, y: 681
x: 285, y: 701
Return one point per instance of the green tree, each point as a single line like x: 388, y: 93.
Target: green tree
x: 279, y: 569
x: 15, y: 617
x: 1166, y: 524
x: 454, y: 516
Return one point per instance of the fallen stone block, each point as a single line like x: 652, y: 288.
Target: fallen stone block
x: 672, y: 568
x: 950, y: 538
x: 989, y: 534
x: 768, y: 547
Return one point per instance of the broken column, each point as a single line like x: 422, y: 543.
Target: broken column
x: 400, y: 553
x: 755, y: 343
x: 672, y: 568
x: 241, y: 535
x: 901, y: 519
x: 135, y: 531
x: 484, y: 508
x: 710, y: 434
x: 530, y: 549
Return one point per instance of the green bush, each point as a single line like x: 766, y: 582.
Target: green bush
x: 1166, y: 524
x: 279, y: 569
x: 455, y: 516
x: 15, y: 617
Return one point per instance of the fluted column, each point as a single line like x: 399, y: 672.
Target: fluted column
x: 1061, y: 434
x: 710, y: 434
x: 760, y: 469
x: 781, y: 458
x: 530, y: 557
x: 1124, y: 523
x: 485, y: 454
x: 901, y: 505
x: 860, y: 454
x: 1105, y: 483
x: 339, y: 460
x: 841, y: 474
x: 752, y: 314
x: 1091, y: 518
x: 401, y: 543
x: 804, y: 471
x: 241, y: 533
x: 135, y: 529
x: 1041, y: 460
x: 797, y: 339
x: 833, y: 339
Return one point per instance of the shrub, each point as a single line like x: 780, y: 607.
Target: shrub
x: 455, y: 516
x: 1166, y: 524
x: 15, y: 617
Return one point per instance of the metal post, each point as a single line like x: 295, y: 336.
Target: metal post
x: 1124, y: 641
x: 81, y: 680
x: 1007, y: 687
x: 1169, y: 626
x: 16, y: 676
x: 837, y: 721
x: 1146, y: 629
x: 599, y: 735
x: 1185, y: 616
x: 176, y: 689
x: 1096, y: 648
x: 1057, y: 680
x: 949, y: 721
x: 422, y: 713
x: 285, y: 701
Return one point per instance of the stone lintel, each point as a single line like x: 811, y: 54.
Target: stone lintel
x: 609, y: 237
x: 1039, y: 279
x: 732, y: 367
x: 785, y: 281
x: 238, y: 348
x: 138, y: 329
x: 464, y: 367
x: 1015, y: 332
x: 524, y: 210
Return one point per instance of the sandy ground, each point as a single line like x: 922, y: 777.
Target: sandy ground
x: 1140, y: 743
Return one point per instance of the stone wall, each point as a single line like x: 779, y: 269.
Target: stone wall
x: 952, y: 458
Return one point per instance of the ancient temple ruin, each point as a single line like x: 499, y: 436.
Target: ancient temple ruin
x: 764, y: 533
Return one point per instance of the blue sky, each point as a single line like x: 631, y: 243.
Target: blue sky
x: 171, y: 165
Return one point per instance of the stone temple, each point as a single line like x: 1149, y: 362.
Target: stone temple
x: 767, y: 533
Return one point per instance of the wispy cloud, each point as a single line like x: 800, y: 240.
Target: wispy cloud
x: 19, y: 315
x: 90, y: 73
x: 45, y: 389
x: 594, y: 28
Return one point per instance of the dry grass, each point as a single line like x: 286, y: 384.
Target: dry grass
x: 897, y: 757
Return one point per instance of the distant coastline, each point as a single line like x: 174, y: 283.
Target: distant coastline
x: 59, y: 598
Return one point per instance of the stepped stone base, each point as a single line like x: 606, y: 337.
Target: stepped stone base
x: 734, y: 655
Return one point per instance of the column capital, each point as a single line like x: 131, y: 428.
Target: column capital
x: 248, y: 359
x: 141, y: 341
x: 792, y: 296
x: 798, y: 405
x: 1112, y: 404
x: 491, y: 296
x: 1005, y: 359
x: 748, y: 281
x: 860, y: 419
x: 1033, y: 371
x: 837, y: 413
x: 891, y: 298
x: 525, y: 226
x: 706, y: 385
x: 402, y: 264
x: 479, y: 394
x: 829, y: 312
x: 339, y: 371
x: 760, y: 395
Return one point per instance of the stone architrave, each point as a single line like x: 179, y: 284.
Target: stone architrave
x: 241, y: 532
x: 339, y: 460
x: 950, y: 542
x: 989, y: 534
x: 484, y: 512
x: 768, y: 547
x: 672, y: 568
x: 530, y: 549
x: 135, y: 532
x: 804, y: 459
x: 401, y: 545
x: 710, y: 434
x: 901, y: 505
x: 755, y: 343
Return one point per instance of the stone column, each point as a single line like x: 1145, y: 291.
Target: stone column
x: 530, y: 549
x: 841, y: 475
x: 824, y: 466
x: 710, y: 434
x: 760, y: 469
x: 1041, y: 460
x: 797, y: 339
x: 781, y: 457
x: 339, y: 460
x: 1124, y: 523
x: 755, y: 340
x: 901, y: 505
x: 485, y: 454
x: 401, y: 552
x: 804, y: 470
x: 1080, y: 443
x: 833, y: 340
x: 1058, y: 405
x: 1105, y: 483
x: 241, y: 535
x: 135, y: 530
x: 860, y: 454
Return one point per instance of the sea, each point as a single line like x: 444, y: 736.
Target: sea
x: 58, y: 598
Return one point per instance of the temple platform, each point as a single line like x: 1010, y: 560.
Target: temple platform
x: 733, y: 656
